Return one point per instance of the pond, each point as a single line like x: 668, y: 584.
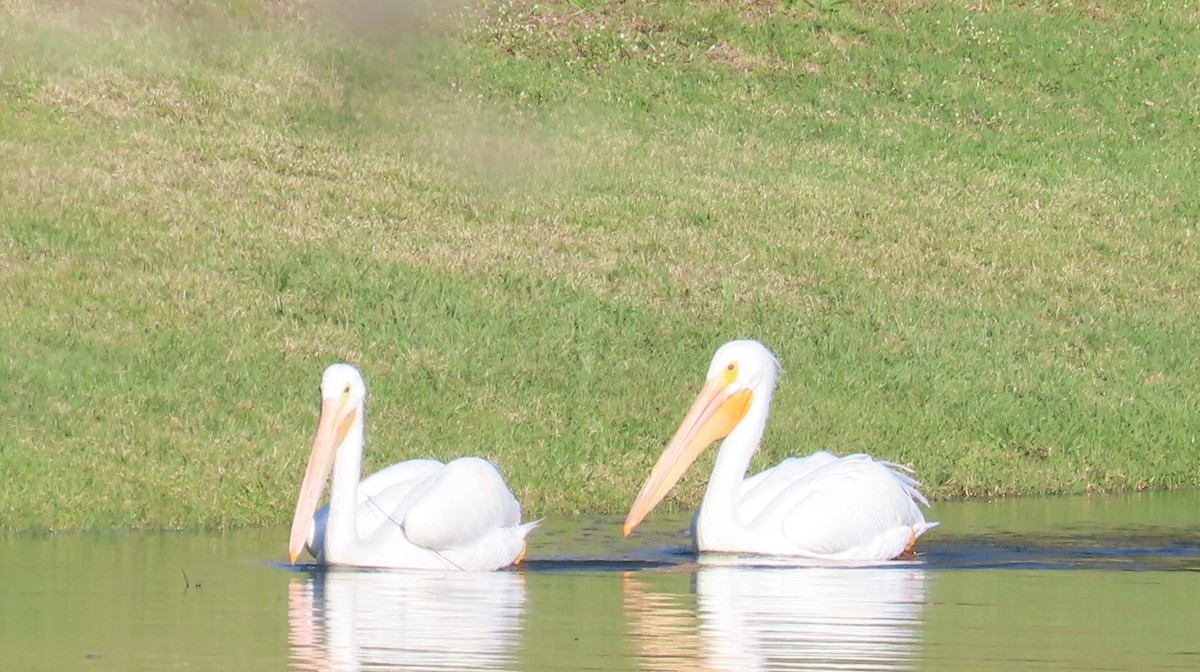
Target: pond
x: 1045, y: 583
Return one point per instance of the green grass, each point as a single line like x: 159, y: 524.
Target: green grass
x: 968, y: 230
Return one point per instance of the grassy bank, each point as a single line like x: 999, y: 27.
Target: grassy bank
x: 967, y: 229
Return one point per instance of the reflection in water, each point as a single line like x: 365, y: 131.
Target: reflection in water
x: 1090, y: 583
x: 405, y: 620
x: 774, y: 618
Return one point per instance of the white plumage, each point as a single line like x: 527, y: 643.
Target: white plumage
x: 853, y: 508
x: 419, y: 514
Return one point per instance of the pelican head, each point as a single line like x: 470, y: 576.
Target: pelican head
x: 343, y: 395
x: 745, y: 364
x: 739, y: 370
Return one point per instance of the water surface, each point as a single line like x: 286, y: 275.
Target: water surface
x: 1083, y: 583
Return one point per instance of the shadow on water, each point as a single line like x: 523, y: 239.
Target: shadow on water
x: 1135, y: 550
x: 1115, y: 533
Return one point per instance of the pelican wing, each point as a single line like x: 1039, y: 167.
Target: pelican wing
x: 460, y: 506
x: 385, y: 497
x: 391, y: 484
x: 853, y: 507
x: 762, y: 489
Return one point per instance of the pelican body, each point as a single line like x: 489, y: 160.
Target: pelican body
x: 419, y: 514
x: 853, y: 508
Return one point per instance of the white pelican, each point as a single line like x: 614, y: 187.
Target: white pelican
x: 853, y: 508
x: 419, y: 514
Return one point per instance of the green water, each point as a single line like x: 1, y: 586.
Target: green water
x: 1093, y: 583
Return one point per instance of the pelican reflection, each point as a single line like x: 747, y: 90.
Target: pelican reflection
x: 405, y: 620
x: 781, y: 618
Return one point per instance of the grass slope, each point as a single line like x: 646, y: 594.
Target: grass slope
x: 967, y: 229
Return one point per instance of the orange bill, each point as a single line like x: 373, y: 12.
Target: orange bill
x: 712, y: 417
x: 331, y: 431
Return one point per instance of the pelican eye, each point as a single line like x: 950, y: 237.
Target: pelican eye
x: 730, y: 374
